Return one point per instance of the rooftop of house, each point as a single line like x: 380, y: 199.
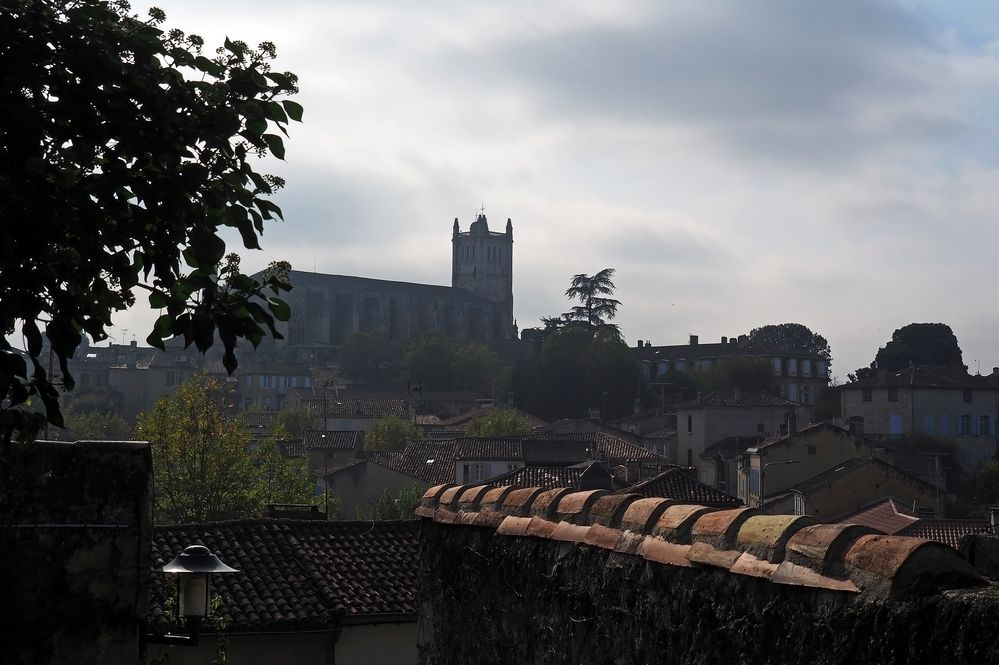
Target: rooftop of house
x: 356, y: 408
x: 680, y: 484
x: 855, y: 464
x: 804, y: 432
x: 300, y: 575
x: 894, y: 517
x: 927, y: 376
x: 730, y: 447
x: 333, y: 440
x: 544, y: 476
x: 727, y: 400
x: 732, y: 348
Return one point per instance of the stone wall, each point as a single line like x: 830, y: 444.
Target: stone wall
x: 75, y: 530
x: 513, y: 575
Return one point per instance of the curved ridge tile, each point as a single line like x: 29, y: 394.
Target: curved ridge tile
x: 603, y: 537
x: 720, y: 528
x: 609, y: 509
x: 575, y: 507
x: 519, y: 501
x: 642, y: 515
x: 765, y: 536
x: 900, y: 565
x: 677, y: 521
x: 545, y: 504
x: 822, y: 547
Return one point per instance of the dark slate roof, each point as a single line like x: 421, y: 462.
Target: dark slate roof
x: 292, y: 448
x: 427, y: 460
x: 803, y: 431
x: 333, y: 440
x: 849, y: 466
x: 681, y: 485
x: 717, y: 400
x: 946, y: 531
x: 347, y: 408
x: 488, y: 448
x: 699, y: 351
x: 574, y: 447
x: 927, y: 376
x: 383, y: 457
x: 548, y: 477
x: 730, y: 447
x: 300, y: 575
x: 347, y: 283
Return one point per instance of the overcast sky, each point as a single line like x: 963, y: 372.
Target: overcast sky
x: 738, y: 163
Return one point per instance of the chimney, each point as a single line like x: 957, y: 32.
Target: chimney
x: 743, y: 339
x: 995, y: 370
x: 632, y: 472
x: 640, y: 345
x: 733, y: 340
x: 693, y: 340
x: 724, y: 339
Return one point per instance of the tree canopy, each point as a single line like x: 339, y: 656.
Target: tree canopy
x: 596, y: 306
x: 499, y: 422
x: 372, y: 358
x: 920, y: 344
x: 794, y: 335
x: 579, y: 368
x: 391, y: 433
x: 127, y: 149
x: 203, y: 466
x: 438, y: 363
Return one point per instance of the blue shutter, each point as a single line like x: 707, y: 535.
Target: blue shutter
x: 976, y: 428
x: 928, y: 425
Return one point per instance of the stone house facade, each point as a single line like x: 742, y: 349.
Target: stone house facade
x: 941, y: 402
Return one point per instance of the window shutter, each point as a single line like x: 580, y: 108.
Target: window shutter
x: 975, y: 426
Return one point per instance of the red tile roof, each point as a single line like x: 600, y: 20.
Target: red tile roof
x: 300, y: 575
x: 887, y: 515
x: 946, y: 531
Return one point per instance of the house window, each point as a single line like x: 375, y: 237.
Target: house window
x: 893, y: 394
x: 806, y: 395
x: 690, y: 424
x: 806, y: 367
x: 172, y: 378
x: 777, y: 369
x: 472, y: 472
x: 966, y: 397
x: 985, y: 425
x: 867, y: 395
x: 964, y: 425
x: 511, y: 467
x: 792, y: 367
x: 266, y: 380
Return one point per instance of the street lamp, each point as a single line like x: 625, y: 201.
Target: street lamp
x: 194, y: 568
x: 763, y: 468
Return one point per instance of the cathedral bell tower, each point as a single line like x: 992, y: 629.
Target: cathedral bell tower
x: 482, y: 262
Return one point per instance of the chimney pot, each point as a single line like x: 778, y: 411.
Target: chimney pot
x: 693, y: 340
x: 724, y: 339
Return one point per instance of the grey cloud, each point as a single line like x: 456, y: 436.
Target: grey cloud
x: 787, y: 79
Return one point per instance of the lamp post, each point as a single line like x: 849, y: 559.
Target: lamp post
x: 763, y: 468
x: 194, y: 568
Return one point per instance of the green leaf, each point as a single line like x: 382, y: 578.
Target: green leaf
x: 276, y: 145
x: 280, y: 309
x: 157, y: 300
x: 33, y: 337
x: 293, y: 109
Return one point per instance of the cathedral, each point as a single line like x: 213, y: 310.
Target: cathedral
x: 327, y: 309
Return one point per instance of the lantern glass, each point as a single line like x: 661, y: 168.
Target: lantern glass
x: 194, y: 595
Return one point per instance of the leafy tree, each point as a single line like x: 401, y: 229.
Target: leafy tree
x: 291, y: 424
x: 391, y: 433
x: 97, y: 426
x: 596, y: 307
x: 794, y: 336
x: 442, y: 364
x: 580, y: 368
x: 401, y: 507
x: 372, y: 357
x: 750, y: 374
x: 203, y: 468
x: 126, y: 150
x: 280, y: 480
x: 499, y: 422
x: 921, y: 344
